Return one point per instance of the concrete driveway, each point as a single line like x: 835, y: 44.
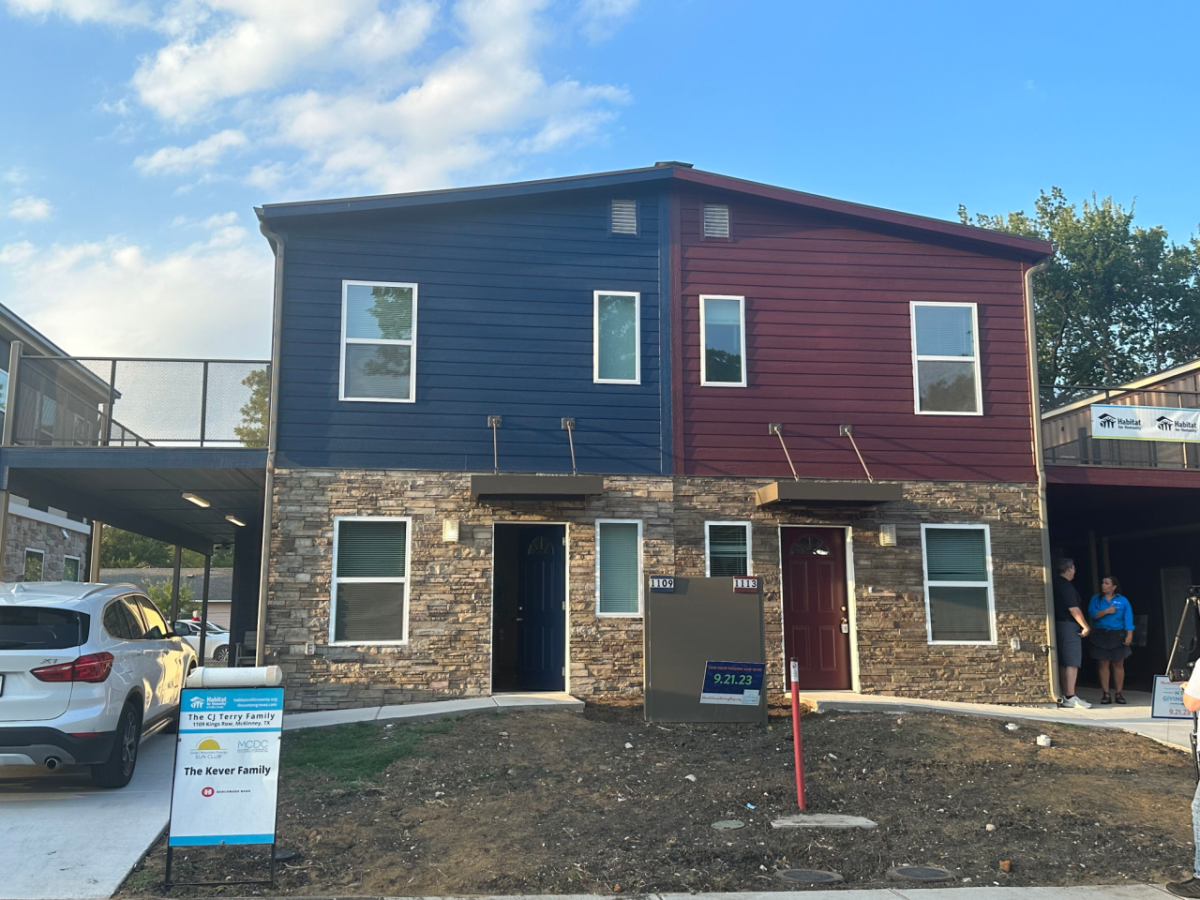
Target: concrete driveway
x: 63, y: 839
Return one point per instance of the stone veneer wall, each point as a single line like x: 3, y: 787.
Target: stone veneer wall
x: 28, y: 533
x: 448, y: 654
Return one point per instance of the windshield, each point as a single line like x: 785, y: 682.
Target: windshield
x: 35, y: 628
x: 215, y: 629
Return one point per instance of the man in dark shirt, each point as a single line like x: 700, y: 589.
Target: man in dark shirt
x: 1071, y: 627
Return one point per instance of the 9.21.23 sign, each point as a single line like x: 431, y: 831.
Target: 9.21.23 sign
x: 732, y: 683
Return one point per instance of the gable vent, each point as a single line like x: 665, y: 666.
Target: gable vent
x: 716, y: 221
x: 624, y: 217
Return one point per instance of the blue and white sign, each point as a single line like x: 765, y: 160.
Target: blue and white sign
x: 226, y: 766
x: 1167, y: 700
x: 1145, y: 423
x: 732, y: 683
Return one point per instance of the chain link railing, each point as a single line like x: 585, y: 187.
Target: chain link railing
x: 107, y: 402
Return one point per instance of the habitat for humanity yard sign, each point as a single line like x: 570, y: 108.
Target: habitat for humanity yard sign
x: 226, y: 766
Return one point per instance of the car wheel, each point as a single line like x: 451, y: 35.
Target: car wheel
x: 221, y: 654
x: 116, y: 771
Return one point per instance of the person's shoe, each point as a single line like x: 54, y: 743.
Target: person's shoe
x: 1121, y: 698
x: 1076, y: 701
x: 1105, y: 699
x: 1189, y: 888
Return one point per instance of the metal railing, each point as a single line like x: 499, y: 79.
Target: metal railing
x: 61, y: 401
x: 1068, y: 440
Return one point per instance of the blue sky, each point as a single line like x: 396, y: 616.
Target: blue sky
x: 135, y: 138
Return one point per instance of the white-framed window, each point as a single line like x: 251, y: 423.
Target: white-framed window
x: 715, y: 219
x: 727, y: 549
x: 34, y: 564
x: 623, y: 217
x: 70, y: 568
x: 945, y: 347
x: 368, y: 601
x: 959, y: 604
x: 722, y: 341
x: 379, y: 342
x: 617, y: 340
x: 618, y: 567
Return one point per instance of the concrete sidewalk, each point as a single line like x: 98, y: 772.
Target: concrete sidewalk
x: 1134, y: 717
x: 433, y: 710
x: 61, y: 838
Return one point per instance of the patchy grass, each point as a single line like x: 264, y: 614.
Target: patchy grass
x: 352, y: 754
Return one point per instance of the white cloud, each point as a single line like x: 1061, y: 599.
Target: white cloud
x: 600, y: 19
x: 112, y: 11
x: 115, y: 298
x: 203, y: 154
x: 30, y: 209
x: 247, y: 46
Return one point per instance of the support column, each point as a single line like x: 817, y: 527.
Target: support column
x: 97, y: 546
x: 175, y: 584
x: 204, y: 607
x: 4, y: 530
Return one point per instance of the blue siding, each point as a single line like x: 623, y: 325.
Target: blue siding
x: 504, y: 327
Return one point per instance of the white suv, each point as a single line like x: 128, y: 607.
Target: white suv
x: 86, y: 670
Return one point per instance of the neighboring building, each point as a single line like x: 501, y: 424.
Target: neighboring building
x: 44, y: 543
x: 430, y: 540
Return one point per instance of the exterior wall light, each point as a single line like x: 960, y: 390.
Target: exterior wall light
x: 236, y: 521
x: 198, y: 500
x: 887, y: 535
x: 450, y: 530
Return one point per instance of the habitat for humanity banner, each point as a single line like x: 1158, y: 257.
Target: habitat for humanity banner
x: 226, y: 766
x: 1145, y: 423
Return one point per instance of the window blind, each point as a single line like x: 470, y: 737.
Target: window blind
x: 371, y: 611
x: 955, y: 554
x: 727, y: 550
x: 945, y: 331
x: 618, y: 567
x: 372, y: 550
x: 624, y: 217
x: 959, y: 613
x: 616, y: 340
x: 716, y: 221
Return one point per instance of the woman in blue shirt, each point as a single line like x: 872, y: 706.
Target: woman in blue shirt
x: 1112, y: 633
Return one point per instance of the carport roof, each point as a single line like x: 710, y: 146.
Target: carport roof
x: 141, y: 489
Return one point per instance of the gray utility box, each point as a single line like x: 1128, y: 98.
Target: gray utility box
x: 701, y: 620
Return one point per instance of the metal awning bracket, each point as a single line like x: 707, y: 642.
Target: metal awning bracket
x: 848, y: 431
x: 568, y: 424
x: 777, y: 429
x: 494, y: 424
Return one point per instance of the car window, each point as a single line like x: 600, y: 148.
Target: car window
x: 156, y: 625
x: 135, y: 617
x: 35, y: 628
x: 120, y: 622
x: 183, y: 626
x: 215, y: 629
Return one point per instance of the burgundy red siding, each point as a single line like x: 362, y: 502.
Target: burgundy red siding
x: 828, y: 343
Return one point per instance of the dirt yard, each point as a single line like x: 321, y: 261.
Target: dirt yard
x: 554, y: 802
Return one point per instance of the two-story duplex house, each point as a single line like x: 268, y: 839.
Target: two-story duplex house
x: 499, y: 409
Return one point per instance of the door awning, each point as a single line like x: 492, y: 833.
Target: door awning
x: 828, y: 493
x: 535, y: 487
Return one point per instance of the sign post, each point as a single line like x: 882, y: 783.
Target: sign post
x: 226, y: 781
x: 797, y: 749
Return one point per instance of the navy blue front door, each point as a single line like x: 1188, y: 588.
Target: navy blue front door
x: 541, y: 613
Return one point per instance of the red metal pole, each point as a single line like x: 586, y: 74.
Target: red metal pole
x: 796, y: 746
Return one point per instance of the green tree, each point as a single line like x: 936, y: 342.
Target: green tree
x: 160, y: 593
x: 256, y: 412
x: 126, y: 550
x: 1117, y: 301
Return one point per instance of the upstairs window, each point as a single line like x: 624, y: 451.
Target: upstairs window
x: 716, y: 221
x: 369, y: 596
x: 723, y: 341
x: 617, y: 338
x: 946, y: 359
x: 727, y: 549
x: 623, y: 217
x: 379, y: 341
x: 618, y: 568
x: 958, y: 584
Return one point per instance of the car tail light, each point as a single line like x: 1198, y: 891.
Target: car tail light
x: 91, y: 668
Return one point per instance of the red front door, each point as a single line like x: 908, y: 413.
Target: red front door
x: 816, y: 629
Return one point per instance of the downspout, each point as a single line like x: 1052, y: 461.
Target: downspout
x: 1039, y: 459
x: 264, y: 566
